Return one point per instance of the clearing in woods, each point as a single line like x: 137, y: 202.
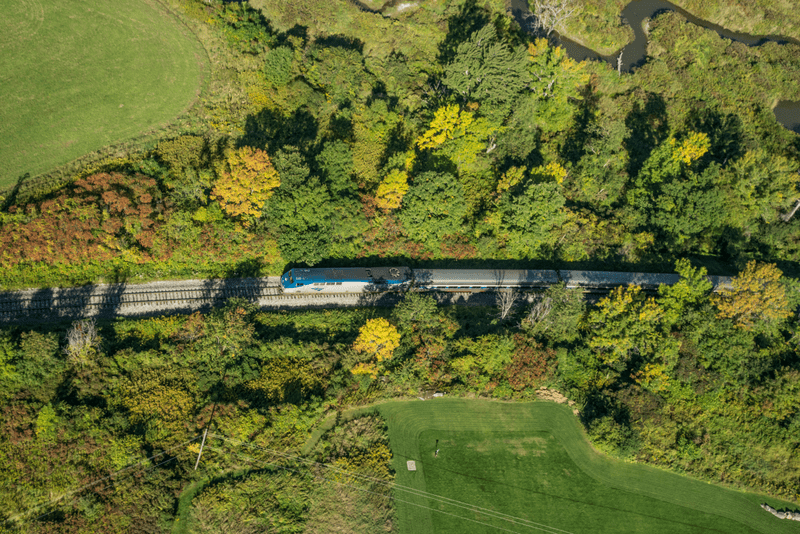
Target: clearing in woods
x: 532, y: 462
x: 80, y: 75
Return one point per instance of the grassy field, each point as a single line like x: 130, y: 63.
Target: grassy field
x: 532, y: 462
x: 76, y: 76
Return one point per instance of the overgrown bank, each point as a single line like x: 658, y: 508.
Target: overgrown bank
x: 697, y: 383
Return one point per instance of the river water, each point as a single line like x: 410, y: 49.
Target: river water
x: 635, y: 53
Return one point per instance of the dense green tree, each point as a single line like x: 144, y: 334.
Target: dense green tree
x: 278, y: 65
x: 373, y: 127
x: 39, y: 366
x: 761, y: 186
x: 629, y: 334
x: 288, y: 372
x: 222, y: 356
x: 681, y: 300
x: 600, y: 176
x: 300, y: 211
x: 486, y: 68
x: 556, y: 81
x: 674, y: 196
x: 336, y: 162
x: 8, y: 371
x: 527, y: 211
x: 433, y: 208
x: 425, y: 332
x: 339, y: 71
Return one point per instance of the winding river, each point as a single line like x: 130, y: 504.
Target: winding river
x: 635, y: 53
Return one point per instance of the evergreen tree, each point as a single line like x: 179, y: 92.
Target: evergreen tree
x: 486, y: 68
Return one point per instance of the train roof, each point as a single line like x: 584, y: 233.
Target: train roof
x: 353, y: 274
x: 618, y: 278
x: 485, y: 277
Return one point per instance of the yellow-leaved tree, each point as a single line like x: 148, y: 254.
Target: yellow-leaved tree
x: 693, y: 147
x: 448, y: 122
x: 757, y: 298
x: 247, y: 182
x: 377, y: 338
x: 392, y: 190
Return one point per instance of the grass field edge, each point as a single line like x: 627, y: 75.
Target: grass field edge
x: 702, y: 496
x: 44, y: 183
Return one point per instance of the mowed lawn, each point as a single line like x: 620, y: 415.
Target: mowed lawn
x: 80, y: 75
x: 531, y: 462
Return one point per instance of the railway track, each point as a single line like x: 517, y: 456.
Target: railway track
x: 113, y: 300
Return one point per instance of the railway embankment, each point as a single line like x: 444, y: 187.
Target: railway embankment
x: 187, y: 296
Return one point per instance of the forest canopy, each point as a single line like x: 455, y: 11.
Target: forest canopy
x: 438, y: 134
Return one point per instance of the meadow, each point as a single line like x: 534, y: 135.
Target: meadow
x: 530, y: 469
x: 79, y: 76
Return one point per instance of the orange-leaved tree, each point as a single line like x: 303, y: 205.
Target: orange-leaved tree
x: 378, y: 338
x: 757, y: 298
x: 247, y: 183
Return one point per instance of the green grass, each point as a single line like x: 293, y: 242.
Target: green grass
x: 532, y: 461
x: 80, y: 75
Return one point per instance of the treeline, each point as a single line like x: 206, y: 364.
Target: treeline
x: 101, y: 422
x: 496, y: 148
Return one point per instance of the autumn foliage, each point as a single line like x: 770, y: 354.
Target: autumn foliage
x: 99, y: 216
x: 378, y: 338
x: 757, y: 296
x: 531, y: 363
x: 392, y: 190
x: 247, y: 184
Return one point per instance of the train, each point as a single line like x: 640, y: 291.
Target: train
x: 380, y: 279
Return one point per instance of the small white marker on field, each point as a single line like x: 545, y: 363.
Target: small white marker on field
x: 412, y: 465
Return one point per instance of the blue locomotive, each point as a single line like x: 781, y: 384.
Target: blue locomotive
x: 378, y: 279
x: 346, y: 280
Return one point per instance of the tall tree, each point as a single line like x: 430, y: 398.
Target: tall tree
x: 556, y: 81
x: 528, y: 210
x: 301, y: 210
x: 761, y: 186
x: 673, y: 194
x: 433, y: 208
x: 378, y: 339
x: 425, y: 331
x: 392, y: 190
x: 629, y: 334
x: 485, y: 68
x: 247, y: 183
x: 757, y: 299
x: 336, y: 162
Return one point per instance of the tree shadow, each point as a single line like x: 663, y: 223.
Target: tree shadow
x: 341, y: 126
x: 460, y: 27
x: 340, y: 41
x: 575, y: 144
x: 380, y: 92
x: 648, y: 124
x: 725, y: 133
x: 13, y: 194
x: 399, y: 141
x: 270, y: 130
